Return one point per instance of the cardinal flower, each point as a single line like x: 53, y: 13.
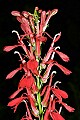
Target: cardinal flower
x: 57, y: 92
x: 14, y: 103
x: 32, y: 65
x: 47, y: 88
x: 28, y: 82
x: 41, y: 98
x: 51, y: 112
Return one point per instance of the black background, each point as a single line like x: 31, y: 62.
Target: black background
x: 67, y: 21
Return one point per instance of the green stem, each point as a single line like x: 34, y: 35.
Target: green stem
x: 39, y: 100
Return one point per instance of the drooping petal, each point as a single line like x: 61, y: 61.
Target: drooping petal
x: 11, y: 74
x: 56, y: 116
x: 65, y: 70
x: 9, y: 48
x: 15, y: 93
x: 62, y: 55
x: 14, y: 103
x: 15, y: 13
x: 62, y: 93
x: 70, y: 109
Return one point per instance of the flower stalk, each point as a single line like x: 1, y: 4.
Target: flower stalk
x: 41, y: 94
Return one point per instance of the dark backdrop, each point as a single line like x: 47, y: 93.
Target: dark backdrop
x: 67, y: 21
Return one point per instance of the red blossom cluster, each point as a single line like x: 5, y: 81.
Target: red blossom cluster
x: 42, y: 98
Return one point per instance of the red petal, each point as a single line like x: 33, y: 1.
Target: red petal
x: 38, y: 50
x: 57, y: 95
x: 19, y: 18
x: 29, y: 114
x: 65, y: 70
x: 56, y: 116
x: 23, y: 27
x: 9, y: 48
x: 15, y: 13
x: 43, y: 18
x: 26, y: 82
x: 33, y: 106
x: 43, y: 91
x: 15, y: 101
x: 46, y: 58
x: 34, y: 88
x: 46, y: 97
x: 60, y: 92
x: 32, y: 65
x: 15, y: 93
x: 70, y: 109
x: 53, y: 12
x: 11, y: 74
x: 46, y: 115
x: 63, y: 56
x: 25, y: 13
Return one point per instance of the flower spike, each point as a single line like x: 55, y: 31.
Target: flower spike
x: 37, y: 88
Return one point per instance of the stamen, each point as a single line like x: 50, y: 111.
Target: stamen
x: 52, y: 57
x: 14, y: 31
x: 53, y: 72
x: 56, y: 83
x: 58, y: 47
x: 60, y: 109
x: 16, y: 52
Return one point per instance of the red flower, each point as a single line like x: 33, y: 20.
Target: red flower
x: 28, y: 82
x: 59, y: 93
x: 26, y: 66
x: 14, y: 103
x: 20, y: 44
x: 52, y: 112
x: 39, y: 40
x: 47, y: 94
x: 50, y: 14
x: 32, y: 65
x: 32, y: 101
